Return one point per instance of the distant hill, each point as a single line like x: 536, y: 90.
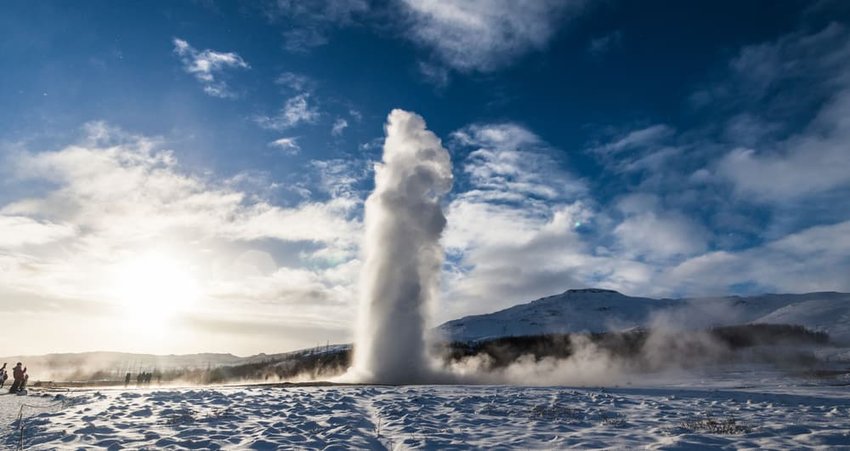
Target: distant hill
x: 598, y: 310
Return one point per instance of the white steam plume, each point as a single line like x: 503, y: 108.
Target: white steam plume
x: 403, y: 256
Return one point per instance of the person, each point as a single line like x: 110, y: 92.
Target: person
x: 4, y: 376
x: 18, y: 376
x: 22, y: 388
x: 127, y: 379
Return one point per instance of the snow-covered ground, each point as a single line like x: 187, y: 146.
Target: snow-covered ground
x: 767, y: 412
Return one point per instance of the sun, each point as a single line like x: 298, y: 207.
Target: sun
x: 152, y: 288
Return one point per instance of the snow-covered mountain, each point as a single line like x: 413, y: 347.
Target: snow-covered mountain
x: 598, y: 310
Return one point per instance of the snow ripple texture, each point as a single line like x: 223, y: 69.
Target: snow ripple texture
x: 441, y: 417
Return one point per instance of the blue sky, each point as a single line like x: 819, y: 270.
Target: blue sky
x: 222, y: 150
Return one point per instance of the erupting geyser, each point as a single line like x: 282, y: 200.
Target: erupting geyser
x: 402, y: 252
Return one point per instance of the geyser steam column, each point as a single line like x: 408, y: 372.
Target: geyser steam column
x: 403, y: 256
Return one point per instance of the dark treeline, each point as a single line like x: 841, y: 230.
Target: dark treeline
x: 743, y: 336
x: 719, y: 343
x: 307, y: 366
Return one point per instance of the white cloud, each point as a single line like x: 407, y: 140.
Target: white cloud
x: 806, y: 164
x: 525, y: 228
x: 295, y: 111
x: 801, y: 262
x: 636, y: 139
x: 302, y: 40
x: 339, y: 126
x: 309, y: 23
x: 435, y: 74
x: 821, y: 57
x: 512, y: 233
x: 814, y: 160
x: 288, y: 146
x: 660, y: 236
x: 604, y: 44
x: 338, y: 177
x: 131, y: 188
x: 484, y: 35
x: 515, y: 233
x: 114, y: 196
x: 648, y: 153
x: 18, y: 231
x: 747, y: 129
x: 505, y: 254
x: 296, y: 82
x: 801, y: 172
x: 512, y: 163
x: 207, y: 65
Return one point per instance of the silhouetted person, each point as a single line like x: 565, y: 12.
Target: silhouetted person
x: 24, y: 382
x: 3, y: 376
x: 127, y: 379
x: 19, y: 375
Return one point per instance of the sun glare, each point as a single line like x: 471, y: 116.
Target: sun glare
x: 153, y: 287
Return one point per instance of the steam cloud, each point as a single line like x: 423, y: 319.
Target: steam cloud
x: 403, y: 256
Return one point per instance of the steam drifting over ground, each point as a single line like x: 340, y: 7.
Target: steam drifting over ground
x: 403, y: 256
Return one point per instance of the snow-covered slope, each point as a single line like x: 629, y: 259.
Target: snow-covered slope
x: 572, y: 311
x: 829, y: 312
x: 597, y: 310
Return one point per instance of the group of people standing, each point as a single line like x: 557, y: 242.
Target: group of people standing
x: 19, y: 377
x: 142, y: 378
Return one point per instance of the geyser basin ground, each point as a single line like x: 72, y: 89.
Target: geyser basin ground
x: 440, y: 417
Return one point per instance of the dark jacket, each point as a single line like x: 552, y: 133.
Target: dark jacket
x: 18, y: 373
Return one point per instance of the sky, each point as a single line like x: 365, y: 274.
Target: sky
x: 189, y: 176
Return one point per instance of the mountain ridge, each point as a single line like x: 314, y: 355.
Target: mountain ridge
x: 602, y: 310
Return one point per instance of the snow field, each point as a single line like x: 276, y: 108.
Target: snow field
x: 440, y: 417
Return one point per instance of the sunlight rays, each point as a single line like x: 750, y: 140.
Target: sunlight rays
x: 153, y: 287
